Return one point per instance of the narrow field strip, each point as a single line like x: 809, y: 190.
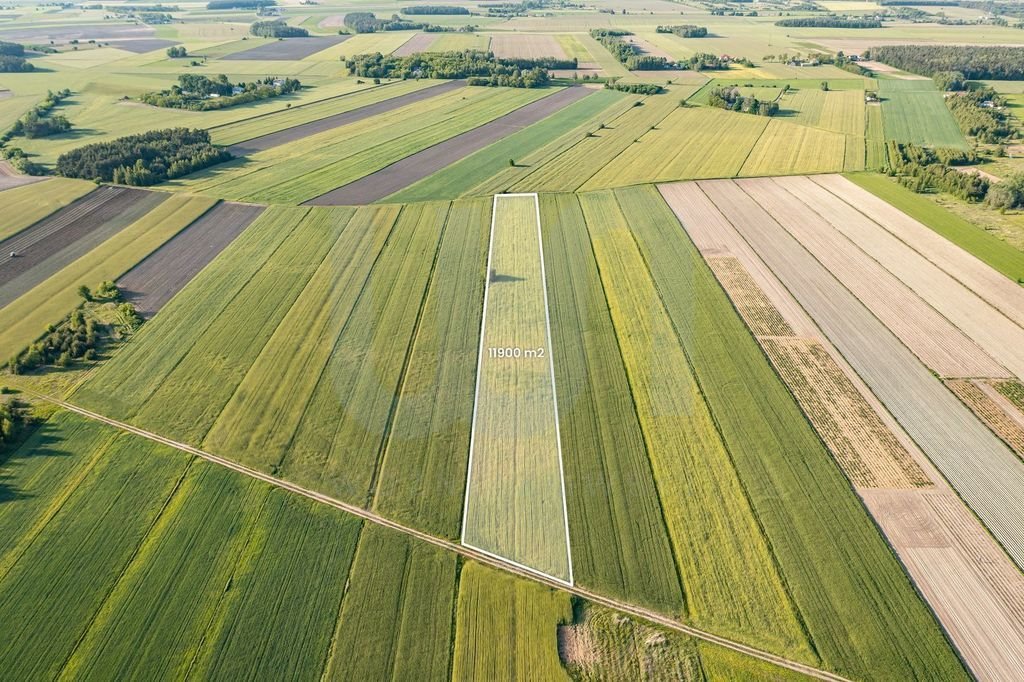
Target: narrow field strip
x: 993, y: 409
x: 25, y: 206
x: 166, y: 271
x: 330, y: 122
x: 458, y: 548
x: 413, y: 168
x: 515, y: 504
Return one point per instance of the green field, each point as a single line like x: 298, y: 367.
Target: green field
x: 914, y: 111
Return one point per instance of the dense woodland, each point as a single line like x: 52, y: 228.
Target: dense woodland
x: 277, y: 29
x: 239, y: 4
x: 685, y: 31
x: 367, y: 22
x: 732, y: 98
x: 144, y: 159
x: 435, y: 9
x: 981, y: 113
x: 829, y: 22
x: 481, y: 68
x: 995, y: 62
x: 922, y: 169
x: 200, y: 93
x: 12, y: 58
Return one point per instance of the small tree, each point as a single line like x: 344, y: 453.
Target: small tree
x: 85, y: 293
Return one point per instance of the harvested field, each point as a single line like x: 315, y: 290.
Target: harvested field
x: 992, y: 481
x: 418, y: 43
x: 289, y: 49
x: 333, y: 21
x: 940, y: 345
x: 648, y: 49
x: 74, y: 31
x: 10, y: 178
x: 993, y: 332
x: 757, y: 311
x: 994, y: 287
x: 53, y: 243
x: 526, y: 46
x: 994, y: 409
x: 143, y: 45
x: 418, y: 166
x: 151, y: 283
x: 867, y: 451
x: 300, y: 131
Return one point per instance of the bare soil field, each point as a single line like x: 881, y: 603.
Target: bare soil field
x: 648, y: 48
x: 401, y: 174
x: 68, y: 31
x: 333, y: 21
x: 866, y: 450
x: 993, y: 332
x: 52, y: 243
x: 1005, y: 295
x: 11, y: 178
x: 993, y: 409
x: 289, y: 49
x: 418, y: 43
x: 154, y: 281
x: 526, y: 46
x: 753, y: 305
x: 141, y: 45
x: 991, y: 481
x: 258, y: 144
x: 941, y: 346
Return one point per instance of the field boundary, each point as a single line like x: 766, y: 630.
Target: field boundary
x: 462, y: 550
x: 554, y: 394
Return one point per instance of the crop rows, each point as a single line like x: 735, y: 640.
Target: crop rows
x: 753, y: 305
x: 786, y: 148
x: 28, y: 204
x: 914, y: 111
x: 989, y: 411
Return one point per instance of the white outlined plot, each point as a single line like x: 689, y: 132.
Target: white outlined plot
x: 515, y: 505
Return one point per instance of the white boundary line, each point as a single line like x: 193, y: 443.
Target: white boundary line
x: 554, y: 394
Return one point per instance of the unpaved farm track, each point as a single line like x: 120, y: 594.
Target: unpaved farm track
x: 462, y: 550
x: 263, y: 142
x: 401, y: 174
x: 62, y: 237
x: 154, y: 281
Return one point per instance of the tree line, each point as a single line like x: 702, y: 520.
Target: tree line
x: 144, y: 159
x: 981, y: 113
x: 435, y: 9
x: 628, y: 53
x: 38, y: 122
x: 830, y: 21
x: 685, y: 31
x: 12, y: 58
x: 240, y: 4
x: 277, y: 29
x: 200, y: 93
x: 367, y: 22
x: 975, y: 62
x: 921, y: 169
x: 733, y: 99
x: 480, y: 68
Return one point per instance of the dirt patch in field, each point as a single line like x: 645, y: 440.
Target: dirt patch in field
x: 761, y: 316
x: 993, y: 409
x: 864, y: 448
x: 289, y: 49
x: 967, y: 170
x: 401, y: 174
x: 298, y: 132
x: 71, y: 232
x: 154, y: 281
x: 420, y: 42
x: 526, y: 46
x: 11, y: 178
x: 333, y: 21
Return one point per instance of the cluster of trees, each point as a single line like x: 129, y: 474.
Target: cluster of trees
x: 38, y: 122
x: 144, y: 159
x: 12, y: 417
x: 926, y: 170
x: 479, y: 67
x: 367, y: 22
x: 177, y: 52
x: 830, y: 21
x: 706, y: 61
x: 155, y: 17
x: 732, y: 98
x: 75, y: 338
x: 635, y: 88
x: 240, y: 4
x: 685, y: 31
x: 975, y: 62
x: 435, y: 9
x: 277, y: 29
x: 981, y: 114
x: 12, y: 58
x: 199, y: 93
x: 512, y: 9
x: 1007, y: 194
x: 950, y: 81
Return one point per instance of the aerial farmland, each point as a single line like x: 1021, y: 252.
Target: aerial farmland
x: 487, y: 340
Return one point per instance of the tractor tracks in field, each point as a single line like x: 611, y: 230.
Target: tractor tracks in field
x: 467, y: 552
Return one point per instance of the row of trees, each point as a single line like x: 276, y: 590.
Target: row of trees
x: 635, y: 88
x: 975, y: 62
x: 367, y: 22
x: 143, y: 159
x: 277, y: 29
x: 830, y: 21
x: 199, y: 93
x: 239, y: 4
x: 685, y: 31
x: 435, y: 9
x: 38, y: 121
x: 922, y: 169
x: 482, y: 68
x: 733, y: 99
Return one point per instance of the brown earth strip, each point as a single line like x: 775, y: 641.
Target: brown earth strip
x: 415, y: 167
x: 69, y: 31
x: 418, y: 43
x: 258, y: 144
x: 1006, y: 425
x: 10, y: 178
x: 761, y: 316
x: 68, y: 234
x: 865, y: 449
x: 289, y: 49
x: 154, y: 281
x: 143, y: 45
x: 526, y: 46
